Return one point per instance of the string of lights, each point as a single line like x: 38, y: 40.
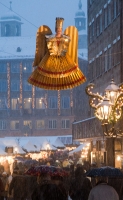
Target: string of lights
x: 59, y: 102
x: 101, y: 56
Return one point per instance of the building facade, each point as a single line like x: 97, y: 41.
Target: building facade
x: 105, y: 49
x: 26, y: 110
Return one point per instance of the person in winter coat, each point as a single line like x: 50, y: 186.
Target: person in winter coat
x: 22, y: 186
x: 80, y: 186
x: 49, y: 191
x: 6, y: 167
x: 1, y: 187
x: 4, y: 193
x: 103, y: 191
x: 1, y: 169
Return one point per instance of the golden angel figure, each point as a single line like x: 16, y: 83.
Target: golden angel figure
x: 56, y: 58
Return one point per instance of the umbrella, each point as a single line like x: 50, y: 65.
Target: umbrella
x: 30, y: 162
x: 106, y: 171
x: 44, y: 169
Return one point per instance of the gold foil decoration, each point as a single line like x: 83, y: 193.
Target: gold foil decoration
x: 56, y: 59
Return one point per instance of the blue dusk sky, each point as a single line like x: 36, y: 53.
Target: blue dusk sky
x: 34, y: 13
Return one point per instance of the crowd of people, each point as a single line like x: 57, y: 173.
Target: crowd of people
x: 15, y: 184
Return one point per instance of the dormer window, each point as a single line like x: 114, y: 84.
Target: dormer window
x: 18, y: 49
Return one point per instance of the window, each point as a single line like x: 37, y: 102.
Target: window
x: 115, y: 55
x: 14, y: 104
x: 109, y: 14
x: 15, y: 68
x: 106, y: 61
x: 100, y: 24
x: 7, y: 30
x: 40, y: 103
x: 15, y: 85
x: 3, y: 124
x: 27, y: 86
x: 14, y: 125
x: 93, y: 29
x: 27, y: 127
x: 3, y: 85
x: 97, y: 66
x: 27, y: 67
x: 17, y: 30
x: 53, y: 101
x: 65, y: 124
x: 105, y: 18
x: 115, y: 8
x: 3, y: 103
x: 52, y: 124
x: 27, y: 123
x: 109, y: 58
x: 65, y: 102
x: 100, y: 64
x: 91, y: 32
x: 40, y: 124
x: 27, y: 103
x: 3, y: 68
x: 97, y: 26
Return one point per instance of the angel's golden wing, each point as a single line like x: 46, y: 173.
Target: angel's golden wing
x: 41, y: 46
x: 72, y: 32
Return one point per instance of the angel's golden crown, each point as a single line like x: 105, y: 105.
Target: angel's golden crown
x: 59, y: 22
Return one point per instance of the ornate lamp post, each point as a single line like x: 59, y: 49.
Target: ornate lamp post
x: 108, y: 108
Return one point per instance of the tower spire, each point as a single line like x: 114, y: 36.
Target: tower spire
x: 10, y: 5
x: 80, y: 5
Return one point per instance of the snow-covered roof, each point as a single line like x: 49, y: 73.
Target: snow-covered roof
x: 2, y: 152
x: 47, y: 146
x: 19, y: 150
x: 35, y: 144
x: 11, y: 142
x: 58, y: 143
x: 79, y: 148
x: 30, y: 147
x: 17, y: 47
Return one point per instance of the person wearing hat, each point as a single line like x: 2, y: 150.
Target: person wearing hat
x: 103, y: 191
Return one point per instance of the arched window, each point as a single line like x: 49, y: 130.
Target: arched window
x: 7, y: 30
x: 17, y: 30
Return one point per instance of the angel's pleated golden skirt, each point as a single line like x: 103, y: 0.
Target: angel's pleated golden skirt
x: 56, y: 66
x: 62, y: 83
x: 56, y: 73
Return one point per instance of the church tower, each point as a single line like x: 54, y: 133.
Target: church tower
x: 10, y: 24
x: 80, y: 20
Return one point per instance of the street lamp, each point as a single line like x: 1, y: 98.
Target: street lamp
x: 108, y: 108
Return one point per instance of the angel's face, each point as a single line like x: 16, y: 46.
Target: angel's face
x: 58, y: 32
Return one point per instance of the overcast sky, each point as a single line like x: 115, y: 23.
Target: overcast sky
x: 35, y: 13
